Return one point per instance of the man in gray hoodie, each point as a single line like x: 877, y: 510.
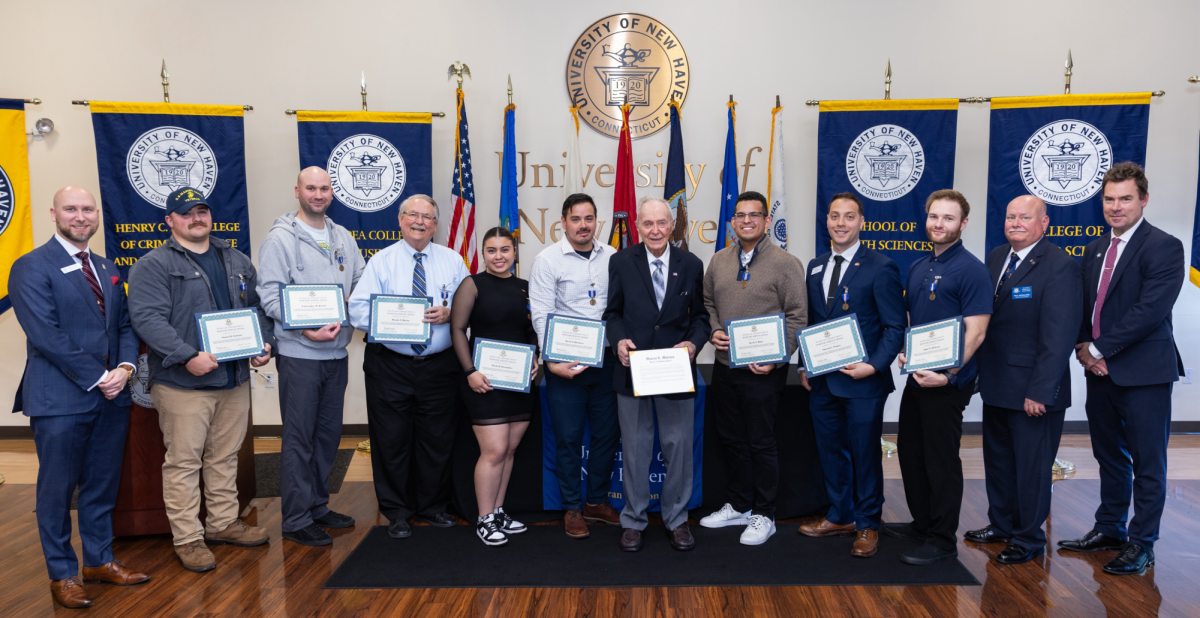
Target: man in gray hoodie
x: 307, y: 247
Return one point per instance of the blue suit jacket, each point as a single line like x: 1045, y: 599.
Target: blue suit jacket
x: 877, y: 300
x: 68, y: 345
x: 1030, y: 340
x: 633, y: 313
x: 1136, y: 337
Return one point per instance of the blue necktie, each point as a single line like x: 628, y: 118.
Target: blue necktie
x: 418, y: 289
x: 1008, y: 272
x: 660, y: 284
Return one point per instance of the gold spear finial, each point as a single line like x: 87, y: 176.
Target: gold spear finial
x: 458, y: 69
x: 1070, y: 65
x: 364, y: 90
x: 887, y: 82
x: 166, y: 82
x: 510, y: 88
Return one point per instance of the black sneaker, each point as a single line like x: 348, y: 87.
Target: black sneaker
x: 927, y: 554
x: 508, y: 525
x: 333, y: 519
x: 312, y: 535
x: 441, y: 520
x: 903, y: 531
x: 489, y: 532
x: 399, y: 529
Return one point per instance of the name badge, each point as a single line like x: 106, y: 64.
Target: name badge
x: 817, y: 269
x: 1022, y: 293
x: 72, y: 268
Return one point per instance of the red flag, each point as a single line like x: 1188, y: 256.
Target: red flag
x: 625, y: 199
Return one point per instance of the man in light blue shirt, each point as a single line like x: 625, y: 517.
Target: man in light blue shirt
x: 412, y: 389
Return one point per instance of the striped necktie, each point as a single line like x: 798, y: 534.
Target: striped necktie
x: 418, y: 289
x: 1110, y: 262
x: 660, y: 284
x: 1008, y: 272
x: 91, y: 279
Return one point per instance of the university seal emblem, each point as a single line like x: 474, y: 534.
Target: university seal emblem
x: 367, y: 173
x: 8, y: 200
x: 1064, y: 162
x: 140, y: 389
x: 885, y: 162
x: 168, y: 158
x: 627, y: 58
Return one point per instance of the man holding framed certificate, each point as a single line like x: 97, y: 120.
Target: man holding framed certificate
x: 203, y: 402
x: 655, y: 301
x: 947, y: 283
x: 755, y: 297
x: 847, y: 404
x: 308, y: 264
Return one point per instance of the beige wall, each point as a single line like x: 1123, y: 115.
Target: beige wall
x: 305, y: 54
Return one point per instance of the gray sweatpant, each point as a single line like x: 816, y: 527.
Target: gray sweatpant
x: 676, y: 420
x: 311, y: 397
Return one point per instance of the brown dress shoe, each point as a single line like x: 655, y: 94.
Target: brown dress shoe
x: 827, y: 528
x: 69, y: 593
x: 240, y: 534
x: 681, y: 538
x: 114, y: 572
x: 631, y: 540
x: 602, y: 513
x: 866, y: 544
x: 576, y: 527
x: 196, y: 557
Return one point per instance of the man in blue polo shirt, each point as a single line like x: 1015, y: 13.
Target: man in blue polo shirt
x: 947, y: 283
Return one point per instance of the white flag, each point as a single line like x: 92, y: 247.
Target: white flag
x: 573, y: 183
x: 775, y: 193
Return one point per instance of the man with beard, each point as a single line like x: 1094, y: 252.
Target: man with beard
x: 80, y: 353
x: 307, y: 247
x: 203, y: 405
x: 948, y: 282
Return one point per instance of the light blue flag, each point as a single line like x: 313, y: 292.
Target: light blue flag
x: 729, y: 185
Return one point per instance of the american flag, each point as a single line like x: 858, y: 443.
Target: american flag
x: 462, y: 233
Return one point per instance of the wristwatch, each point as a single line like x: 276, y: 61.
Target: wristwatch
x: 131, y: 370
x: 951, y: 378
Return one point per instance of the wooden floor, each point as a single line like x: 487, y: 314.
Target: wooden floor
x: 284, y: 579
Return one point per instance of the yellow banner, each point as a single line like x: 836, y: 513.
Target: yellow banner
x: 16, y: 222
x: 304, y: 116
x: 1058, y: 100
x: 889, y: 105
x: 108, y: 107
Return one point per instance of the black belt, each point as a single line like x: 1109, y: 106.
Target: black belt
x: 413, y: 358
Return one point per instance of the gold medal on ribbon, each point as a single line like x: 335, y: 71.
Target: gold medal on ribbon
x: 592, y: 301
x: 932, y: 295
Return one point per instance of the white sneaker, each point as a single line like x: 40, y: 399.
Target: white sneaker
x: 759, y: 530
x: 488, y: 530
x: 727, y: 516
x: 508, y: 525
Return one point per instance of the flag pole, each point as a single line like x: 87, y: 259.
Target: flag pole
x: 364, y: 90
x: 166, y: 82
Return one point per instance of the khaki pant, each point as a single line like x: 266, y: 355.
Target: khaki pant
x: 202, y: 431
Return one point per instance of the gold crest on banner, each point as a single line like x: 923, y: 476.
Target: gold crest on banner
x: 627, y: 58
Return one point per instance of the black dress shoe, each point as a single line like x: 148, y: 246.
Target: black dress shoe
x: 312, y: 535
x: 399, y: 529
x: 441, y: 520
x: 333, y: 519
x: 631, y: 539
x: 903, y: 531
x: 1092, y: 541
x: 986, y: 535
x: 927, y: 554
x: 1018, y: 554
x: 681, y: 538
x: 1133, y: 560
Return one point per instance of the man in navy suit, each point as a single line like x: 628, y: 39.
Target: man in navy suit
x: 655, y: 300
x: 847, y: 404
x: 81, y: 352
x: 1023, y: 378
x: 1126, y: 345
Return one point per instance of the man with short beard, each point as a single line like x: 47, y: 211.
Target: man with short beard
x: 307, y: 247
x: 947, y: 283
x: 203, y: 405
x: 80, y: 353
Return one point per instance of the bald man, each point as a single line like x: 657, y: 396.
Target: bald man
x: 307, y: 247
x: 1023, y: 378
x: 80, y: 353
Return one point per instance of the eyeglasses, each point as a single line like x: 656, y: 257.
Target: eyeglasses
x: 753, y: 216
x: 413, y: 216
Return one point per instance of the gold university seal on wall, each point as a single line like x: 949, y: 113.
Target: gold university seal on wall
x: 627, y: 58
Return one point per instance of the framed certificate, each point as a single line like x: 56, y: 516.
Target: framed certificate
x: 506, y: 365
x: 230, y: 335
x: 933, y: 346
x: 831, y: 345
x: 661, y: 372
x: 399, y: 319
x: 761, y: 339
x: 574, y: 340
x: 312, y: 306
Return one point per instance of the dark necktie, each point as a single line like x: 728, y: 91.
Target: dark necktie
x: 418, y: 289
x: 1110, y: 262
x: 1008, y: 272
x: 91, y: 279
x: 834, y: 279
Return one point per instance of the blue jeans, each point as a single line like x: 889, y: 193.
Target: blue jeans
x: 588, y: 398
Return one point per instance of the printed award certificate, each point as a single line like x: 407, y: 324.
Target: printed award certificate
x: 933, y: 346
x: 831, y: 345
x: 760, y: 339
x: 661, y: 372
x: 312, y: 306
x: 506, y: 365
x: 230, y: 335
x: 398, y: 319
x: 574, y: 340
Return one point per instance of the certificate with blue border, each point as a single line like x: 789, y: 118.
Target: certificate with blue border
x: 760, y: 339
x: 575, y: 340
x: 312, y: 306
x: 229, y: 335
x: 831, y: 345
x: 933, y: 346
x: 505, y: 365
x: 399, y: 319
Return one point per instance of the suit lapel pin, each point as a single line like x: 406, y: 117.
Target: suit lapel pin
x: 856, y: 263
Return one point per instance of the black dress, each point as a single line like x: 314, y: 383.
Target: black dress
x: 493, y: 308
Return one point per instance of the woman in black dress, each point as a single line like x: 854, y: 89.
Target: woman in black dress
x: 494, y: 304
